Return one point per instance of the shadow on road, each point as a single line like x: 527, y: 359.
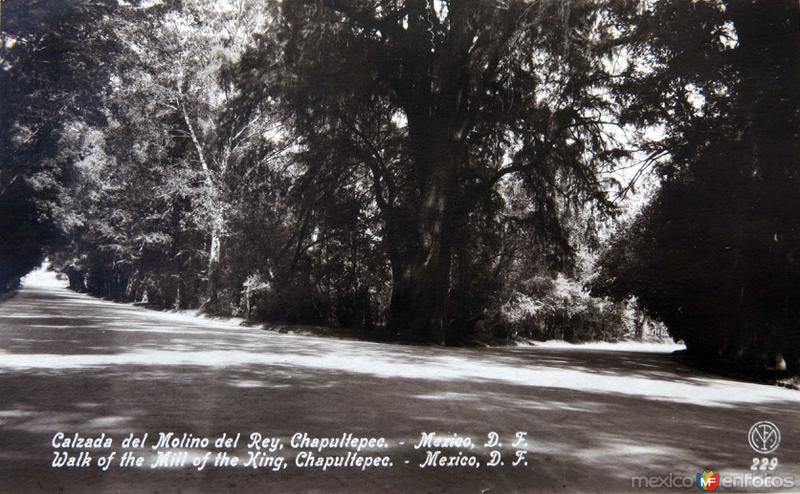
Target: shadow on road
x: 594, y: 418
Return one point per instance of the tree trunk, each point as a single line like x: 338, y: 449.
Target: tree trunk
x: 213, y: 261
x: 421, y: 278
x: 217, y: 223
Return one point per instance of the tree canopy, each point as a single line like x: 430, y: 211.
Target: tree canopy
x: 53, y: 60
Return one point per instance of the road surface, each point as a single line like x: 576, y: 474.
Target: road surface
x: 594, y: 418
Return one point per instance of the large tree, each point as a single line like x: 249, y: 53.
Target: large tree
x: 715, y: 254
x: 424, y: 109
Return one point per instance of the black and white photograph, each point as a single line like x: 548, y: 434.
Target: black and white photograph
x: 399, y: 246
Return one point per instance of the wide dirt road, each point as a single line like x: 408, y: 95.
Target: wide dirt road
x: 594, y: 418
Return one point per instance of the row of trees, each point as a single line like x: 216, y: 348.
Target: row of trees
x: 52, y: 66
x: 429, y: 169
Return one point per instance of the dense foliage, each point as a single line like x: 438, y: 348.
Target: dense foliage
x: 714, y: 255
x: 420, y: 115
x: 53, y: 63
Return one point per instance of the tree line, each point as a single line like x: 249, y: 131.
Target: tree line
x: 422, y: 170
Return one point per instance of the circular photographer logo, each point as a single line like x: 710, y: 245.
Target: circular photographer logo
x: 764, y: 437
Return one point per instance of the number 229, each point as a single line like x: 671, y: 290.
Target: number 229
x: 764, y: 464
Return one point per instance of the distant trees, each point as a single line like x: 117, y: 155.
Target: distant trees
x: 53, y: 57
x: 715, y: 254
